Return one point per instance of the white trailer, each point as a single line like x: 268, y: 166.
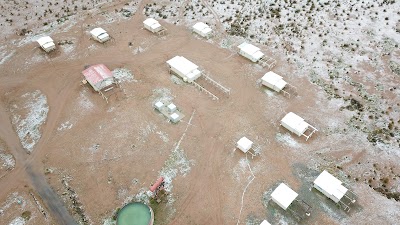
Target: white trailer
x: 100, y: 35
x: 46, y: 43
x: 254, y: 54
x: 202, y: 29
x: 334, y: 189
x: 276, y: 83
x: 297, y: 125
x: 184, y: 68
x: 154, y: 26
x: 250, y: 51
x: 273, y: 81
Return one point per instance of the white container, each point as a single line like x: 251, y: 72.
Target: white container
x: 171, y: 108
x: 244, y: 144
x: 159, y: 105
x: 174, y: 118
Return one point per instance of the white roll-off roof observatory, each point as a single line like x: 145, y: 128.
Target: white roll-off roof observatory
x: 297, y: 125
x: 184, y: 68
x: 276, y: 83
x: 202, y: 29
x: 250, y: 51
x: 254, y: 54
x: 46, y: 43
x: 286, y: 198
x: 100, y: 35
x: 333, y: 188
x: 283, y: 196
x: 154, y: 26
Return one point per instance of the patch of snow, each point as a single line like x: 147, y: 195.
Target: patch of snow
x: 65, y: 126
x: 176, y: 80
x: 162, y: 94
x: 94, y: 148
x: 123, y: 74
x: 4, y: 55
x: 17, y: 221
x: 12, y: 199
x: 176, y: 164
x: 28, y: 128
x: 84, y: 101
x: 143, y: 196
x: 8, y: 161
x: 138, y: 50
x: 240, y: 169
x: 109, y: 221
x: 148, y: 129
x: 287, y: 139
x: 269, y: 92
x: 163, y: 136
x: 122, y: 193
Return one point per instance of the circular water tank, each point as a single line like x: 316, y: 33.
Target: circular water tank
x: 135, y: 213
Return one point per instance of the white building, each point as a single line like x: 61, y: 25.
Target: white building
x: 154, y: 26
x: 46, y: 43
x: 184, y: 68
x: 333, y: 188
x: 287, y: 199
x: 283, y: 196
x: 276, y: 83
x: 169, y: 110
x: 297, y: 125
x: 100, y: 35
x: 202, y: 29
x: 159, y: 105
x: 273, y: 81
x: 175, y: 117
x: 254, y: 54
x: 244, y: 144
x: 265, y: 223
x: 250, y: 51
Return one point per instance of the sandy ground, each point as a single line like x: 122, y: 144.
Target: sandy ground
x: 98, y: 156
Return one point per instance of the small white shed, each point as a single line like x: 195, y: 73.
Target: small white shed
x: 244, y: 144
x: 297, y: 125
x: 250, y: 51
x: 202, y: 29
x: 286, y: 198
x: 46, y: 43
x: 171, y: 107
x: 169, y: 110
x: 159, y: 105
x: 100, y: 35
x: 283, y: 196
x: 265, y: 223
x: 153, y: 25
x: 187, y: 70
x: 273, y: 81
x: 175, y: 117
x: 333, y: 188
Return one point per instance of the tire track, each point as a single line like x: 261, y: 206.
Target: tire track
x: 215, y: 15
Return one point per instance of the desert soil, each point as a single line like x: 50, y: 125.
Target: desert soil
x: 67, y: 156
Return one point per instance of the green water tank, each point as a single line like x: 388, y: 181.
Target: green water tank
x: 135, y: 213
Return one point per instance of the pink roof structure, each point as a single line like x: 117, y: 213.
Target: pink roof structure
x: 98, y: 76
x: 156, y: 184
